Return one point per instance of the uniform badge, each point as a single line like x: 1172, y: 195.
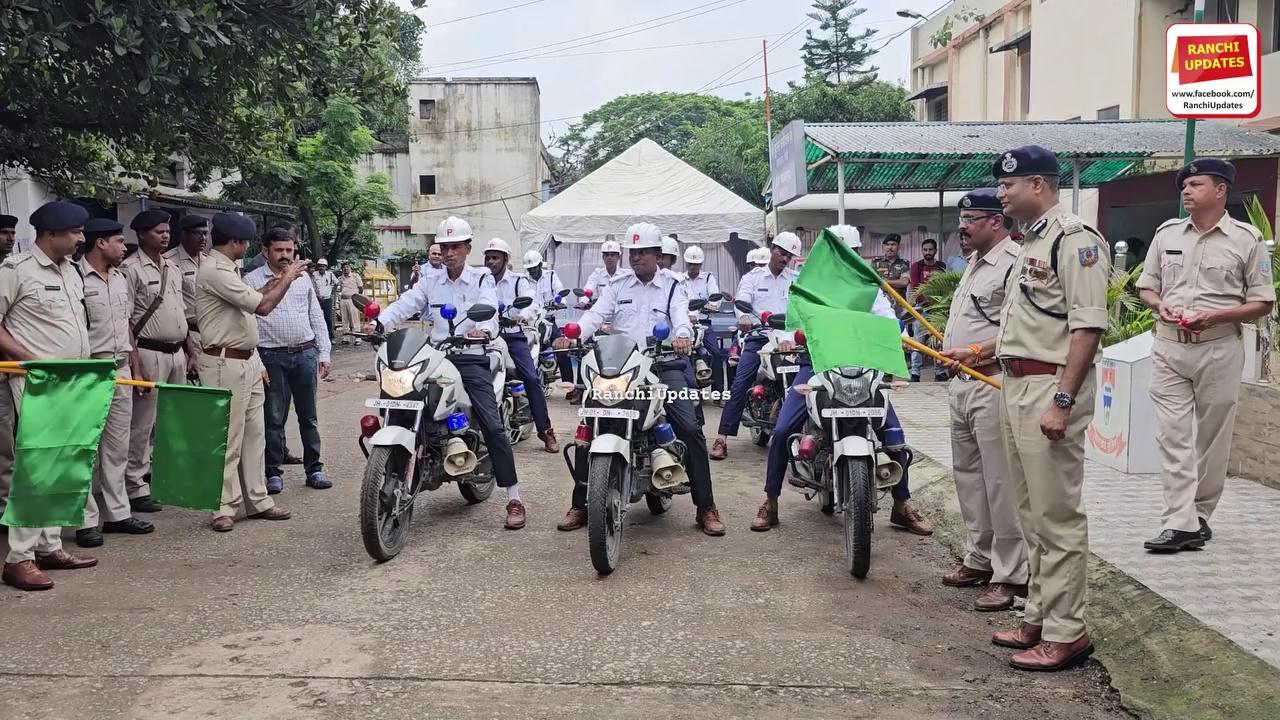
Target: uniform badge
x: 1088, y: 256
x: 1264, y: 266
x: 1192, y: 169
x: 966, y: 202
x: 1010, y: 163
x: 1038, y: 269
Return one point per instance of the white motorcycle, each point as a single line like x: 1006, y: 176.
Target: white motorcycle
x: 700, y: 321
x: 422, y: 436
x: 777, y: 369
x: 547, y: 368
x: 515, y: 397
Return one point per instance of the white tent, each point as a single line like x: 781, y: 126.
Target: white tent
x: 644, y: 184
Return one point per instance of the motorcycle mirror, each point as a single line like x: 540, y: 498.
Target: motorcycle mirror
x: 696, y: 305
x: 778, y: 321
x: 521, y: 303
x: 579, y: 292
x: 715, y: 297
x: 481, y: 313
x: 564, y: 293
x: 744, y: 306
x: 371, y: 310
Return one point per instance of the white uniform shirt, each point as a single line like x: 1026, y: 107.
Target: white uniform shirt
x: 598, y: 280
x: 511, y: 286
x: 549, y: 286
x: 702, y: 287
x: 325, y: 281
x: 436, y: 290
x: 766, y: 291
x: 633, y: 307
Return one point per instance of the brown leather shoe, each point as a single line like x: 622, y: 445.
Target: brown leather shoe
x: 548, y: 439
x: 224, y: 524
x: 1051, y: 656
x: 965, y: 576
x: 999, y: 597
x: 62, y: 560
x: 274, y: 513
x: 1026, y: 636
x: 719, y: 450
x: 515, y: 515
x: 766, y: 517
x: 709, y: 521
x: 26, y: 575
x: 573, y: 520
x: 911, y: 521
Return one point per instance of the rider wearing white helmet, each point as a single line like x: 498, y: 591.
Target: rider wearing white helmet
x: 702, y: 285
x: 610, y: 254
x: 670, y: 253
x: 549, y: 289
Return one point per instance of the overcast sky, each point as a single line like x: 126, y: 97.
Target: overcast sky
x: 578, y: 76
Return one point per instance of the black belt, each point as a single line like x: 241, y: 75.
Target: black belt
x: 157, y: 346
x: 291, y: 349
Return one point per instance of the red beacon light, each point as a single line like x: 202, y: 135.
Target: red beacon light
x: 371, y: 310
x: 757, y: 392
x: 807, y: 449
x: 800, y: 338
x: 764, y: 316
x: 587, y: 293
x: 573, y: 331
x: 369, y: 425
x: 582, y: 435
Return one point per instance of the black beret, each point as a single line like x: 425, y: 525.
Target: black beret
x: 8, y: 221
x: 981, y: 199
x: 102, y: 227
x: 59, y: 215
x: 1024, y: 161
x: 191, y: 222
x: 236, y: 227
x: 148, y: 219
x: 1207, y: 166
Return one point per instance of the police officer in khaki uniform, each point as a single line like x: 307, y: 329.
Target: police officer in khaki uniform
x: 109, y: 301
x: 42, y: 316
x: 192, y: 249
x: 225, y: 310
x: 1204, y: 276
x: 159, y: 325
x: 995, y: 551
x: 1051, y: 327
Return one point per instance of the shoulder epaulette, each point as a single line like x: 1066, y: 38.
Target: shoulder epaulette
x: 1172, y: 221
x: 14, y: 260
x: 1257, y: 234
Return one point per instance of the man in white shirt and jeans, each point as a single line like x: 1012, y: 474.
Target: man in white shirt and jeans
x: 293, y: 342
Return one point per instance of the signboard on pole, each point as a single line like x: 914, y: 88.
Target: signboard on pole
x: 787, y: 169
x: 1214, y: 70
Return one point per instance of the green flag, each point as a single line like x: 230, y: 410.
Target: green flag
x: 64, y: 408
x: 191, y: 446
x: 832, y: 300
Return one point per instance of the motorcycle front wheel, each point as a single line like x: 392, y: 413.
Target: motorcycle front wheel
x: 657, y: 502
x: 759, y: 436
x: 384, y: 532
x: 606, y: 509
x: 857, y: 495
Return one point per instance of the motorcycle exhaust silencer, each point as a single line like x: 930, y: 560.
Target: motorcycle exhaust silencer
x: 458, y: 458
x: 667, y: 471
x: 888, y: 471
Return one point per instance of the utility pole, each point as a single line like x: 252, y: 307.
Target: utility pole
x: 768, y: 110
x: 1189, y: 149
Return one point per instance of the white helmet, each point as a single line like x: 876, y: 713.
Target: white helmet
x: 788, y: 241
x: 670, y: 246
x: 758, y: 256
x: 453, y: 230
x: 644, y: 235
x: 849, y: 234
x: 533, y: 258
x: 610, y: 246
x: 693, y: 255
x: 498, y: 245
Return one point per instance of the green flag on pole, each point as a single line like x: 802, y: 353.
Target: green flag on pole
x: 191, y: 446
x: 832, y: 300
x: 64, y: 408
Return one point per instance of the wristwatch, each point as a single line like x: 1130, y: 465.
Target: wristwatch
x: 1063, y: 400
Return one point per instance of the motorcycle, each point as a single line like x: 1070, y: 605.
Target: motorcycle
x: 623, y: 449
x: 838, y: 456
x: 422, y: 436
x: 515, y: 397
x: 547, y: 368
x: 700, y: 321
x: 764, y: 399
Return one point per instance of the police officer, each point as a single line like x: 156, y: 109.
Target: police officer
x: 8, y: 234
x: 159, y: 323
x: 630, y: 304
x: 109, y: 301
x: 461, y: 286
x: 670, y: 253
x: 1204, y: 275
x: 507, y: 286
x: 225, y: 310
x: 549, y: 289
x: 766, y: 289
x: 995, y: 552
x: 192, y: 249
x: 1051, y: 326
x: 702, y: 285
x: 42, y: 317
x: 611, y: 254
x: 891, y: 266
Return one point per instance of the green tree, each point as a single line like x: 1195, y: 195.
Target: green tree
x: 815, y: 101
x: 838, y: 55
x: 732, y: 151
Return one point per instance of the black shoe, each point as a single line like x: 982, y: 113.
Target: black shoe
x: 941, y: 377
x: 915, y: 378
x: 89, y: 538
x: 1172, y: 541
x: 291, y: 459
x: 144, y: 504
x: 1206, y: 532
x: 128, y: 526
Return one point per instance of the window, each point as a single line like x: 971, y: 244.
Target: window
x: 426, y: 184
x: 938, y: 109
x: 427, y: 109
x: 1275, y: 27
x: 1024, y: 83
x: 1109, y: 113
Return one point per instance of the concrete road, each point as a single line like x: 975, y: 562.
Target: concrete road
x: 292, y: 620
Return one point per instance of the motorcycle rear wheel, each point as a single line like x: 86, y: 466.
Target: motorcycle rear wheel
x: 759, y: 436
x: 657, y: 502
x: 384, y: 535
x: 606, y: 510
x: 858, y: 495
x: 475, y: 493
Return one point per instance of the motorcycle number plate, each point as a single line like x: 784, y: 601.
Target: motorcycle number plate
x: 389, y: 404
x: 615, y: 413
x: 789, y: 369
x: 862, y: 412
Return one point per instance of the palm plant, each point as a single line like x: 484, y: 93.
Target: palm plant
x: 1128, y: 316
x: 938, y: 290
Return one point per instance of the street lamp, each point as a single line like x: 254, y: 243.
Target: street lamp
x: 909, y: 14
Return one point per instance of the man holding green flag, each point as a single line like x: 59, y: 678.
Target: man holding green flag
x: 42, y: 315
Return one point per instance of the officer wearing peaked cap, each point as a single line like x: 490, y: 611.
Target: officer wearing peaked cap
x: 1051, y: 325
x: 42, y: 317
x: 192, y: 250
x: 1204, y: 275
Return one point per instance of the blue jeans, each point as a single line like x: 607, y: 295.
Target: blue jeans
x: 920, y: 334
x: 710, y: 352
x: 744, y: 377
x: 294, y: 377
x: 527, y: 371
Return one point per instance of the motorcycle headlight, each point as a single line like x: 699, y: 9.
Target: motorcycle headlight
x: 850, y: 392
x: 610, y: 391
x: 397, y: 383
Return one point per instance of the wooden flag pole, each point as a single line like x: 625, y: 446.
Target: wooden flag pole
x: 888, y: 290
x: 943, y: 359
x: 15, y: 368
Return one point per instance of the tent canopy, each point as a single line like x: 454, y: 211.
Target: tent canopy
x: 644, y: 184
